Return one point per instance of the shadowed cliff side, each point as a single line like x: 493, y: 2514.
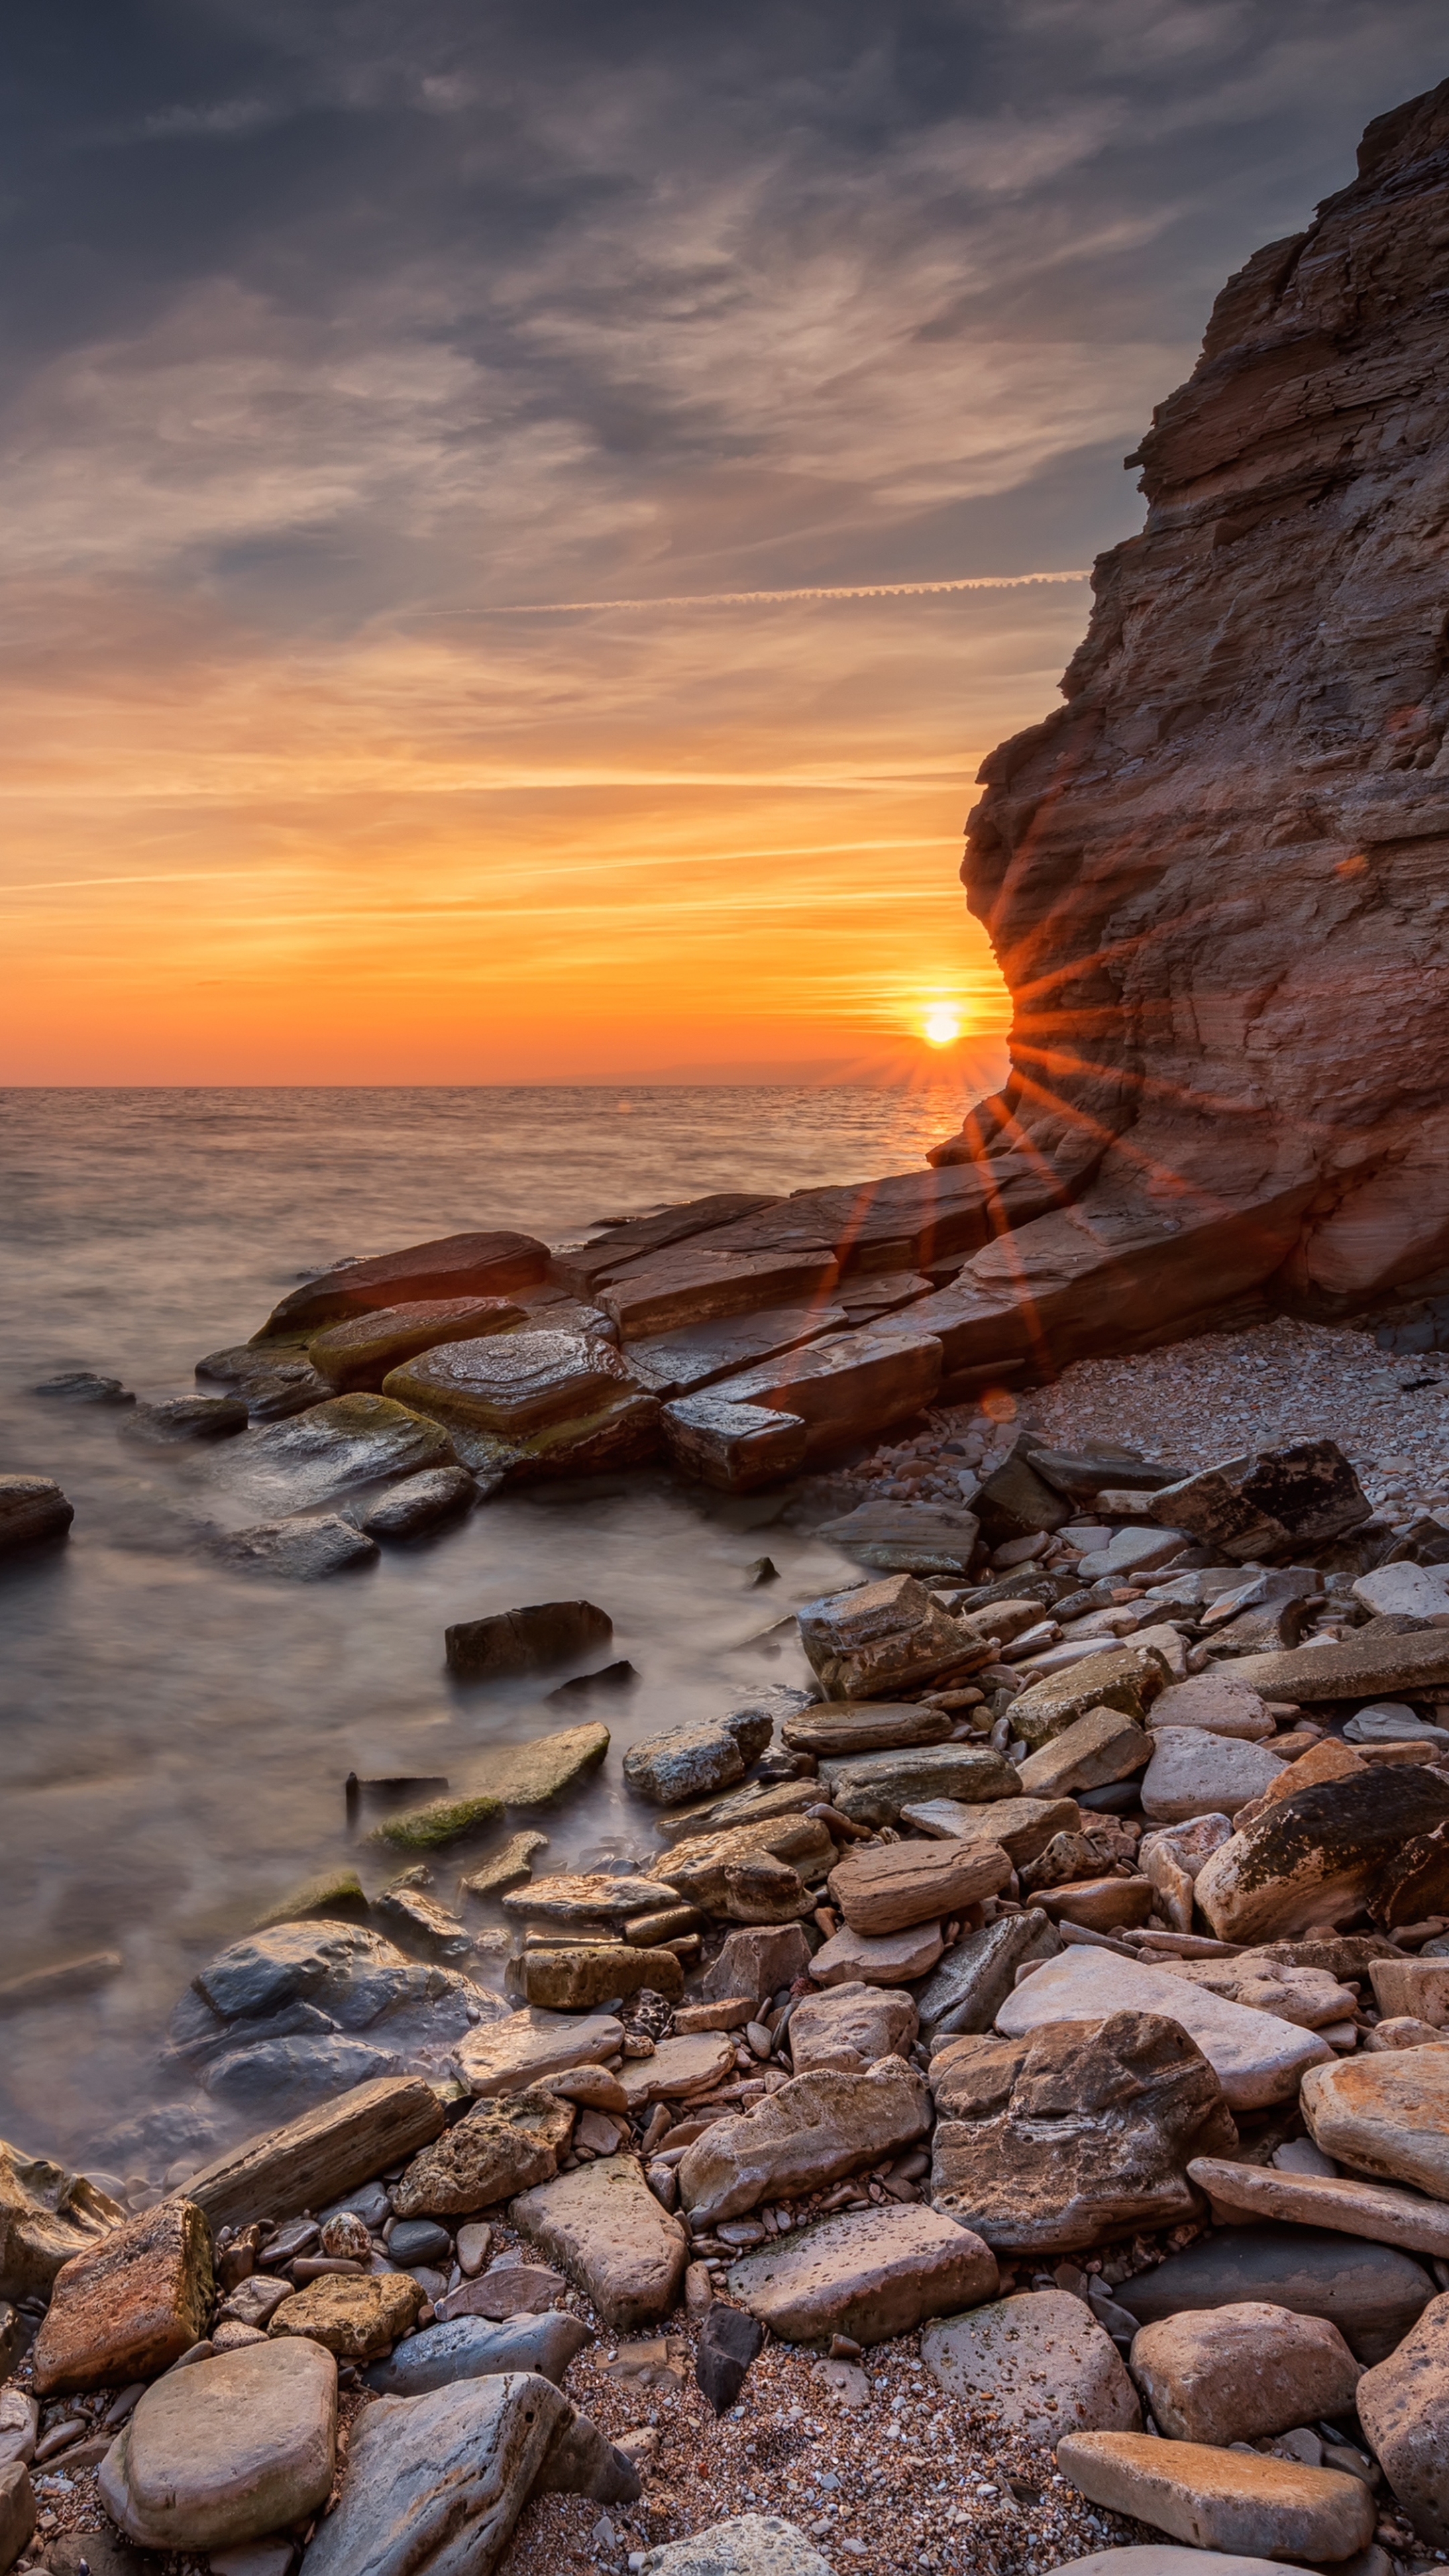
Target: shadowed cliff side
x: 1216, y: 878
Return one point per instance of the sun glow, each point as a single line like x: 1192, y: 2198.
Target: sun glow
x: 942, y: 1027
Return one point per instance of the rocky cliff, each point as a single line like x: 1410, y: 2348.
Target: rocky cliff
x: 1217, y: 878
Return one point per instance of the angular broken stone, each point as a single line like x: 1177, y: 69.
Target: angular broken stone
x: 690, y: 1761
x: 1103, y: 1746
x: 512, y: 2054
x: 973, y: 1980
x: 129, y: 2307
x: 453, y: 2469
x: 815, y: 2129
x: 532, y: 1399
x: 572, y: 1980
x: 695, y: 1356
x: 1320, y: 1854
x: 1372, y: 2293
x: 851, y: 2027
x: 1217, y: 1701
x: 872, y: 1726
x: 1418, y: 1986
x: 525, y: 1641
x: 1015, y: 1502
x: 905, y: 1538
x: 1340, y: 2201
x: 690, y: 1286
x: 693, y: 2062
x: 735, y: 1447
x: 698, y: 1869
x: 1369, y: 1664
x: 1257, y: 2058
x: 1119, y: 1677
x: 354, y: 2316
x: 1085, y: 2129
x: 1267, y: 1504
x: 507, y: 2290
x: 1021, y: 1827
x: 875, y: 1788
x: 47, y: 2215
x: 759, y: 1801
x: 1231, y: 2500
x: 729, y: 2341
x: 1196, y: 1773
x: 319, y: 1455
x: 226, y: 2450
x: 885, y: 1636
x: 757, y: 1962
x: 1040, y: 2362
x: 848, y: 1386
x: 1235, y: 2373
x: 312, y: 2161
x: 456, y: 1265
x: 881, y: 1959
x: 358, y: 1353
x: 1387, y: 2114
x: 503, y: 2146
x: 869, y: 2274
x: 603, y: 2227
x: 583, y: 1897
x: 1403, y: 2406
x: 1308, y: 1996
x: 890, y: 1887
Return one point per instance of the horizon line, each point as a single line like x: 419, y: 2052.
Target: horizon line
x: 755, y: 598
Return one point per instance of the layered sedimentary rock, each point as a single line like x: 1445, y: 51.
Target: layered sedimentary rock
x: 1216, y: 878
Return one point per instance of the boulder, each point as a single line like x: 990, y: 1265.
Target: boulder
x: 1196, y: 1773
x: 906, y: 1538
x: 1320, y: 1855
x: 757, y: 1962
x: 532, y: 1403
x: 19, y: 2425
x: 451, y: 2470
x: 226, y: 2450
x: 33, y: 1512
x: 1021, y: 1827
x: 354, y: 2316
x: 1416, y: 1591
x: 1231, y: 2500
x: 1235, y: 2373
x: 467, y: 2347
x: 186, y: 1417
x: 1048, y: 2143
x: 1039, y: 2362
x: 1119, y: 1677
x: 301, y: 2010
x: 750, y: 2544
x: 848, y: 1387
x: 1372, y: 2293
x: 298, y: 1551
x: 869, y: 2274
x: 689, y: 1761
x: 884, y: 1636
x: 889, y: 1887
x: 1103, y: 1746
x: 1216, y: 1701
x: 1172, y: 1859
x: 573, y: 1980
x: 1318, y: 2199
x: 358, y: 1353
x: 729, y: 2340
x: 735, y: 1447
x: 1014, y: 1502
x: 1157, y: 2558
x: 872, y: 1726
x: 312, y: 2161
x: 967, y: 1990
x: 873, y: 1788
x: 504, y: 2145
x: 814, y: 2130
x: 888, y: 1959
x: 528, y: 1640
x: 850, y: 2027
x: 637, y: 1240
x: 539, y: 1773
x: 1387, y: 2114
x: 419, y: 1504
x: 47, y: 2215
x: 518, y: 2052
x: 603, y: 2227
x: 1417, y: 1986
x: 129, y: 2306
x: 1257, y: 2058
x: 316, y: 1456
x: 1403, y: 2406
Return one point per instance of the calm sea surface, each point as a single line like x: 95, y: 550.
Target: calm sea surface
x: 174, y: 1736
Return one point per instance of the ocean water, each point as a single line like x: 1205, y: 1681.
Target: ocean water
x: 174, y: 1735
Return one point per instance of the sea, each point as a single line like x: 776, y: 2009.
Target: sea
x: 175, y: 1735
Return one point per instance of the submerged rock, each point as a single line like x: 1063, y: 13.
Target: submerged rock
x: 33, y: 1512
x: 532, y: 1404
x: 303, y: 1551
x: 316, y: 1456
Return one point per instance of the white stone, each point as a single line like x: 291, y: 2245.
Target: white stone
x: 1195, y: 1773
x: 1416, y: 1591
x: 1257, y: 2058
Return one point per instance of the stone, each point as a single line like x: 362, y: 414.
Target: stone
x: 887, y: 1959
x: 689, y: 1761
x: 1131, y: 1552
x: 729, y: 2340
x: 851, y: 2027
x: 1047, y: 2143
x: 19, y: 2425
x: 814, y: 2130
x: 869, y: 2274
x: 283, y: 1989
x: 1257, y: 2058
x: 1329, y: 1760
x: 1366, y: 2209
x: 682, y: 1289
x: 33, y: 1512
x: 1172, y: 1859
x: 529, y: 1640
x: 872, y: 1726
x: 419, y: 1504
x: 603, y: 2227
x: 1230, y: 2500
x: 1387, y: 2114
x: 1403, y: 2406
x: 1264, y: 1505
x: 452, y: 2470
x: 874, y: 1788
x: 883, y: 1635
x: 507, y: 2289
x: 1234, y: 2373
x: 695, y: 1356
x: 504, y: 1867
x: 1419, y: 1591
x: 187, y: 1417
x: 1373, y: 2293
x: 694, y: 2062
x: 1417, y: 1986
x: 573, y: 1980
x: 966, y: 1991
x: 358, y: 1353
x: 129, y: 2306
x: 1308, y: 1996
x: 528, y: 1401
x: 1391, y: 1722
x: 354, y: 2316
x: 757, y: 1962
x: 634, y: 1241
x: 1369, y: 1664
x: 698, y: 1869
x: 905, y: 1538
x: 749, y: 2544
x: 1158, y: 2559
x: 1194, y: 1772
x: 455, y: 1265
x: 227, y: 2450
x: 1217, y: 1702
x: 468, y: 2347
x: 1320, y: 1854
x: 526, y: 2046
x: 892, y: 1887
x: 1104, y: 1745
x: 503, y: 2146
x: 312, y: 2160
x: 1039, y: 2362
x: 1100, y: 1904
x: 848, y: 1387
x: 300, y: 1551
x: 17, y: 2511
x: 760, y: 1801
x: 1119, y: 1677
x: 317, y: 1456
x: 254, y: 2301
x: 1021, y: 1827
x: 47, y: 2215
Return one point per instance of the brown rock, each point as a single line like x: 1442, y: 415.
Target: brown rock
x: 873, y: 1726
x: 574, y: 1979
x: 1021, y: 1827
x: 1374, y: 1662
x: 1081, y: 2130
x: 730, y: 2014
x: 359, y: 1352
x: 47, y: 2215
x: 1403, y: 2405
x: 583, y: 1896
x: 756, y: 1963
x: 508, y: 2290
x: 316, y: 2159
x: 877, y: 1788
x: 692, y: 2063
x: 1364, y: 2209
x: 500, y: 2147
x: 699, y: 1869
x: 1100, y: 1904
x: 1234, y: 2373
x: 1104, y: 1745
x: 227, y: 2450
x: 1386, y: 2114
x: 506, y: 2056
x: 850, y: 2027
x: 604, y: 2228
x: 868, y: 2274
x: 17, y: 2511
x: 1173, y: 1859
x: 1119, y: 1678
x: 1040, y: 2362
x: 33, y: 1512
x: 357, y: 2317
x: 1268, y: 1504
x: 1308, y: 1997
x: 592, y: 2087
x: 814, y: 2130
x: 891, y: 1886
x: 130, y: 2307
x: 849, y: 1386
x: 1321, y: 1854
x: 882, y: 1959
x: 457, y: 1265
x: 1372, y: 2293
x: 1231, y: 2500
x: 760, y: 1889
x: 679, y: 1288
x: 886, y: 1634
x: 1417, y: 1986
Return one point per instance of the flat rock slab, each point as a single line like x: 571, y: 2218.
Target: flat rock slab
x: 574, y: 1979
x: 1233, y: 2374
x: 690, y: 1761
x: 527, y: 1640
x: 306, y: 1550
x: 698, y: 1869
x: 1117, y: 1678
x: 1021, y: 1827
x: 129, y: 2308
x: 419, y: 1504
x: 356, y: 2316
x: 851, y: 2027
x: 1372, y: 2293
x: 468, y: 2347
x: 698, y: 1355
x: 1230, y: 2500
x: 1366, y: 2209
x: 358, y: 1353
x: 1040, y: 2361
x: 455, y: 1265
x: 883, y: 1637
x: 966, y: 1991
x: 584, y: 1896
x: 226, y: 2450
x: 1159, y: 2558
x: 604, y: 2228
x: 870, y: 1726
x: 890, y: 1887
x: 1103, y: 1746
x: 514, y: 1385
x: 1257, y: 2058
x: 905, y: 1538
x: 693, y: 2062
x: 869, y: 2274
x: 1303, y: 1493
x: 512, y: 2054
x: 1221, y: 1702
x: 1196, y: 1773
x: 680, y: 1290
x: 452, y: 2470
x: 873, y: 1788
x: 887, y: 1959
x: 315, y: 1456
x: 1386, y: 2114
x: 814, y: 2130
x: 846, y: 1386
x: 314, y: 2160
x: 505, y: 2290
x: 751, y: 2544
x: 757, y: 1962
x: 503, y: 2146
x: 758, y: 1802
x: 1417, y: 1986
x: 1404, y: 2409
x: 1366, y: 1666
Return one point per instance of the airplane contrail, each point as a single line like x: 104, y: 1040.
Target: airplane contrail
x: 767, y: 598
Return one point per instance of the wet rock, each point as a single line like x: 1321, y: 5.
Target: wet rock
x: 419, y: 1504
x: 1372, y: 2293
x: 1319, y: 1855
x: 1048, y: 2143
x: 501, y: 2147
x: 1256, y: 2057
x: 846, y: 1387
x: 1374, y: 1662
x: 226, y: 2450
x: 869, y: 2274
x: 17, y: 2511
x: 735, y: 1447
x: 973, y: 1980
x: 1387, y: 2114
x: 355, y: 2316
x: 683, y: 1288
x: 187, y: 1417
x: 1234, y: 2373
x: 692, y: 2063
x: 695, y: 1356
x: 317, y: 1456
x: 888, y: 1959
x: 760, y: 1889
x: 874, y: 1726
x: 300, y: 1551
x: 1172, y: 1861
x: 504, y: 1867
x: 574, y: 1979
x: 1268, y: 1504
x: 33, y: 1512
x: 1040, y: 2362
x: 873, y: 1788
x: 729, y: 2340
x: 814, y: 2130
x: 689, y: 1761
x: 851, y: 2027
x: 429, y: 1926
x: 749, y: 2544
x: 272, y: 1382
x: 1119, y: 1677
x: 452, y: 2469
x: 585, y: 1897
x: 761, y: 1800
x: 532, y: 1403
x: 1021, y: 1827
x: 83, y: 1386
x: 890, y: 1888
x: 905, y: 1538
x: 1219, y: 1702
x: 1195, y: 1773
x: 520, y: 1775
x: 301, y: 2010
x: 47, y: 2215
x: 1403, y: 2405
x: 1231, y: 2500
x: 356, y: 1355
x: 526, y: 2046
x: 884, y: 1636
x: 128, y: 2307
x: 526, y: 1641
x: 604, y: 2228
x: 1104, y: 1745
x: 455, y: 1265
x: 698, y: 1869
x: 467, y: 2347
x: 757, y: 1962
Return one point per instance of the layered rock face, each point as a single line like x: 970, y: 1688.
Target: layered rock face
x: 1217, y: 879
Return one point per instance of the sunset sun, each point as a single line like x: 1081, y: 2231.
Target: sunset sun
x: 942, y: 1026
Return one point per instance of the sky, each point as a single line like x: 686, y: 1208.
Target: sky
x: 405, y: 405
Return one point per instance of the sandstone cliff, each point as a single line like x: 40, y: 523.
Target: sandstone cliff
x: 1217, y: 879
